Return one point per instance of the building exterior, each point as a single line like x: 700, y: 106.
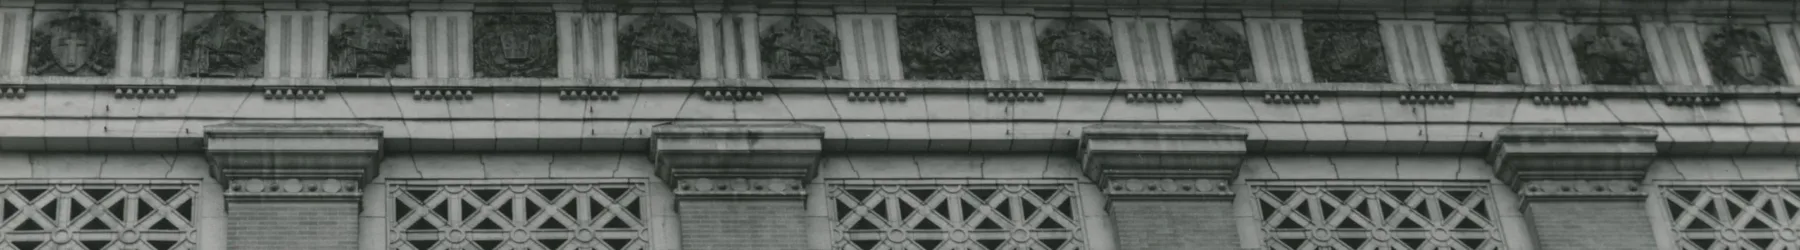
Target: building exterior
x: 899, y: 125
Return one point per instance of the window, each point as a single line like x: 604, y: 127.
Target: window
x: 1720, y: 217
x: 1378, y: 217
x: 941, y: 217
x: 97, y: 216
x: 604, y: 216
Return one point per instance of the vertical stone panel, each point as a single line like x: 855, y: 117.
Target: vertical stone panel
x: 441, y: 45
x: 728, y: 46
x: 870, y: 47
x: 1278, y: 50
x: 148, y: 43
x: 1787, y: 44
x: 1144, y: 49
x: 296, y: 44
x: 1175, y: 224
x: 1544, y: 52
x: 1590, y: 225
x: 1008, y: 48
x: 1675, y: 53
x: 589, y: 45
x: 15, y: 24
x: 1413, y: 47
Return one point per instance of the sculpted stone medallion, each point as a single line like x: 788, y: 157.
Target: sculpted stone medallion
x: 939, y: 48
x: 658, y: 46
x: 1479, y: 54
x: 800, y: 48
x: 1611, y: 55
x: 515, y: 45
x: 369, y: 46
x: 1346, y: 51
x: 73, y: 44
x: 1213, y: 51
x: 1076, y: 50
x: 1742, y: 56
x: 224, y: 45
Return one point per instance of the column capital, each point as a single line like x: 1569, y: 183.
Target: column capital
x: 1163, y: 161
x: 737, y: 160
x: 300, y: 161
x: 1573, y: 162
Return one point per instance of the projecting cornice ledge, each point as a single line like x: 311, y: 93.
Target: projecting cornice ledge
x: 1584, y: 163
x: 293, y: 161
x: 1163, y: 160
x: 737, y: 161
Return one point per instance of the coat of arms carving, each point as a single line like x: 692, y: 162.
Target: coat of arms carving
x: 222, y: 46
x: 76, y: 44
x: 515, y: 45
x: 369, y: 46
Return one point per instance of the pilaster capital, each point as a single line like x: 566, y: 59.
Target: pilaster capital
x: 737, y: 160
x: 301, y: 161
x: 1573, y: 162
x: 1157, y: 160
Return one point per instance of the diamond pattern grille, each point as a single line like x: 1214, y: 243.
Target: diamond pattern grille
x: 1378, y: 217
x: 97, y: 216
x: 1733, y: 217
x: 961, y: 217
x: 603, y: 216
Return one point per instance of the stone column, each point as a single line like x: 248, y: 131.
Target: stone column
x: 739, y: 186
x: 293, y: 186
x: 1168, y: 186
x: 1579, y: 186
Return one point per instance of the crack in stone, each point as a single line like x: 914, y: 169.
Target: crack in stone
x: 1270, y: 167
x: 168, y: 161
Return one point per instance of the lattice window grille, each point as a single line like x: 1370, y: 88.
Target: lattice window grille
x: 1378, y: 217
x: 597, y: 216
x: 960, y: 217
x: 98, y: 216
x: 1733, y: 217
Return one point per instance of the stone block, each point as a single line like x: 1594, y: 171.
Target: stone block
x: 524, y: 105
x: 1324, y: 137
x: 1275, y: 112
x: 908, y: 136
x: 1492, y: 109
x: 294, y: 150
x: 1005, y: 166
x: 702, y: 150
x: 1188, y: 109
x: 1364, y: 138
x: 1196, y: 151
x: 1366, y: 167
x: 1532, y: 152
x: 1428, y: 167
x: 1767, y: 168
x: 1084, y: 107
x: 1229, y: 108
x: 810, y: 106
x: 1051, y: 108
x: 1630, y: 110
x: 1760, y: 110
x: 370, y: 105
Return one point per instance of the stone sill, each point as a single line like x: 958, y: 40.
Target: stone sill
x: 838, y: 86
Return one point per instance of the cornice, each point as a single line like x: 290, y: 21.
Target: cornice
x: 1652, y: 6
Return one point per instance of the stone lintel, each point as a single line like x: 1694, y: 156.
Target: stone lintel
x: 1543, y: 162
x: 1163, y: 161
x: 299, y: 161
x: 737, y: 160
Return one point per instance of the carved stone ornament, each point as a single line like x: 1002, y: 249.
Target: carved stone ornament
x: 659, y: 47
x: 222, y: 46
x: 1741, y: 56
x: 75, y: 44
x: 939, y: 48
x: 1346, y: 51
x: 1213, y: 51
x: 370, y: 46
x: 739, y: 187
x: 1077, y: 50
x: 1167, y: 188
x: 800, y: 48
x: 515, y: 45
x: 1580, y: 189
x: 1480, y: 54
x: 276, y: 189
x: 1611, y: 55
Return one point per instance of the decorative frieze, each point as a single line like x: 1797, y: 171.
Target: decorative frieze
x: 1144, y: 49
x: 659, y: 47
x: 1561, y: 100
x: 15, y: 35
x: 728, y: 46
x: 1168, y: 187
x: 304, y: 189
x: 587, y: 214
x: 515, y: 45
x: 149, y: 39
x: 1581, y: 189
x: 1015, y: 96
x: 1397, y: 216
x: 370, y: 45
x: 74, y: 43
x: 223, y: 45
x: 871, y: 46
x: 1544, y: 53
x: 1427, y: 99
x: 588, y: 94
x: 440, y: 44
x: 940, y: 48
x: 292, y: 93
x: 1677, y: 52
x: 731, y: 160
x: 1291, y: 98
x: 877, y: 96
x: 12, y: 92
x: 1278, y: 50
x: 1412, y: 46
x: 739, y: 187
x: 1729, y: 217
x: 975, y: 216
x: 1009, y: 48
x: 1154, y: 97
x: 731, y: 95
x: 1213, y: 51
x: 144, y: 92
x: 103, y: 215
x: 1693, y: 100
x: 443, y: 94
x: 589, y: 45
x: 297, y: 43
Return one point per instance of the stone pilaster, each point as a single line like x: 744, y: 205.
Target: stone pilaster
x: 1166, y: 178
x: 739, y: 186
x: 286, y: 174
x: 1579, y: 186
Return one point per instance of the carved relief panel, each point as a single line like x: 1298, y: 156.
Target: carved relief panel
x: 370, y: 46
x: 515, y: 45
x: 1460, y: 217
x: 1212, y: 51
x: 799, y: 47
x: 72, y: 44
x: 956, y: 217
x: 1610, y: 54
x: 1479, y: 53
x: 939, y: 47
x: 222, y: 45
x: 1346, y: 51
x: 595, y: 214
x: 98, y: 216
x: 659, y: 47
x: 1077, y: 49
x: 1741, y: 54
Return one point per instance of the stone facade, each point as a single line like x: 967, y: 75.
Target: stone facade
x: 865, y: 125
